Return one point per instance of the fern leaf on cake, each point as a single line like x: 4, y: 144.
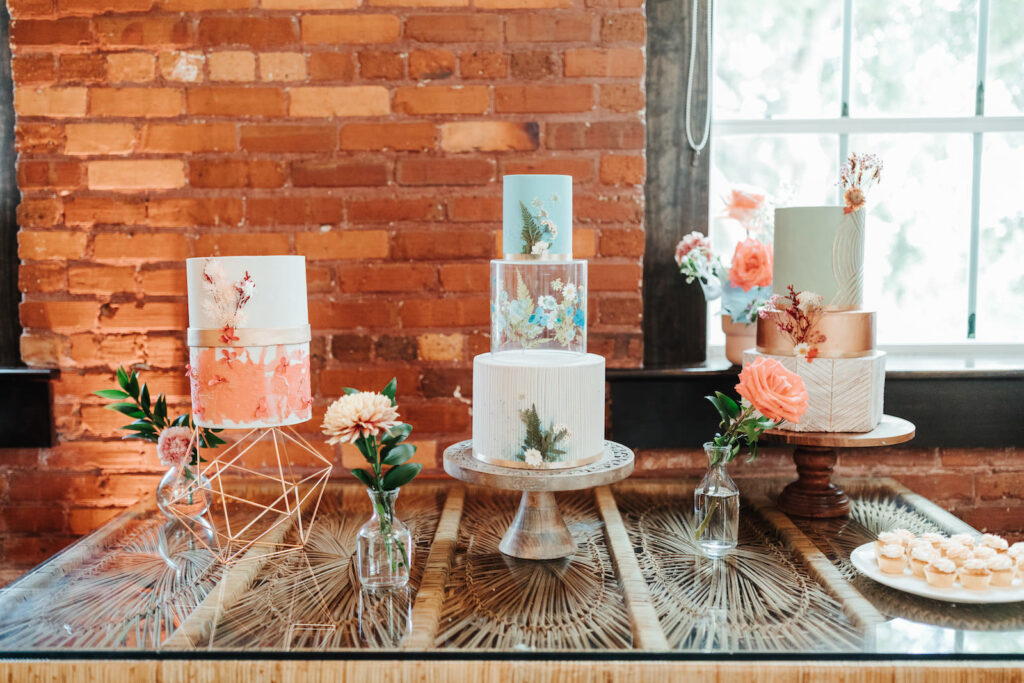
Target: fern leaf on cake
x: 532, y: 232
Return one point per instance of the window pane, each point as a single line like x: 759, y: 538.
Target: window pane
x: 1004, y: 89
x: 777, y: 59
x: 918, y: 237
x: 1001, y: 273
x: 914, y: 58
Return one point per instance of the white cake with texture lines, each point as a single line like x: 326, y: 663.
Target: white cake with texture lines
x: 538, y: 396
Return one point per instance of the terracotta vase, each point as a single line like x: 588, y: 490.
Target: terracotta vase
x: 738, y: 338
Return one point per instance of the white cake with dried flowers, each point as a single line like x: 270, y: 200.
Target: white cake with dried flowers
x: 538, y: 396
x: 814, y: 324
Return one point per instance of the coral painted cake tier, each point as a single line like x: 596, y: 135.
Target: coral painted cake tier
x: 248, y: 341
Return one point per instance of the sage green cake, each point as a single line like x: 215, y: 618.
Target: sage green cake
x: 820, y: 249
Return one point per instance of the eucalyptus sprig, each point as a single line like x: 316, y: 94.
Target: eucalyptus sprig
x: 742, y: 426
x: 150, y: 417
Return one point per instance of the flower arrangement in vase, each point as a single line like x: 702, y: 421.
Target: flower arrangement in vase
x: 177, y: 443
x: 745, y: 284
x: 370, y: 421
x: 770, y: 395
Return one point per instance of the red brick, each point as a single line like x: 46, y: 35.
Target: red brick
x: 131, y: 67
x: 42, y: 138
x: 584, y: 243
x: 56, y: 174
x: 205, y: 5
x: 622, y: 243
x: 441, y: 382
x: 103, y: 6
x: 598, y: 135
x: 59, y: 315
x: 531, y: 27
x: 332, y: 66
x: 475, y: 209
x: 442, y: 99
x: 166, y: 281
x: 489, y: 136
x: 483, y: 64
x: 326, y: 102
x: 42, y: 277
x: 431, y: 64
x: 999, y: 486
x: 442, y: 418
x: 89, y: 211
x: 531, y: 66
x: 85, y: 520
x: 51, y: 244
x: 82, y: 68
x: 178, y: 138
x: 294, y: 210
x: 236, y: 101
x: 118, y: 247
x: 607, y: 210
x: 369, y: 379
x: 388, y: 277
x: 389, y: 210
x: 581, y: 169
x: 622, y: 170
x: 454, y: 28
x: 50, y: 102
x: 624, y: 28
x: 608, y: 62
x: 41, y: 212
x: 445, y: 313
x: 135, y: 102
x: 1007, y: 519
x: 347, y: 315
x: 151, y: 315
x: 113, y: 31
x: 622, y: 98
x: 65, y: 31
x: 173, y: 212
x: 100, y: 279
x: 236, y: 173
x: 408, y: 137
x: 379, y: 65
x: 939, y: 486
x: 99, y: 138
x: 543, y: 98
x: 342, y: 244
x: 447, y: 245
x: 465, y: 277
x: 338, y: 174
x: 33, y: 519
x: 442, y: 171
x: 241, y: 244
x: 615, y: 277
x: 137, y: 174
x: 350, y: 28
x: 258, y: 33
x: 26, y: 8
x: 34, y: 68
x: 289, y: 138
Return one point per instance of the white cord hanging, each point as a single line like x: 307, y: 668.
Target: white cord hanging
x: 698, y: 146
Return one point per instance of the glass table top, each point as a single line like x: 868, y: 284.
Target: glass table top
x: 145, y: 585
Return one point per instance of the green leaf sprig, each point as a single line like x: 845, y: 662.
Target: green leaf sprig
x: 742, y: 426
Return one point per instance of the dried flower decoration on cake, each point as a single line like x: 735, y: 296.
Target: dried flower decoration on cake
x: 523, y: 321
x: 225, y: 300
x: 539, y: 231
x: 796, y: 315
x: 540, y: 445
x: 856, y: 177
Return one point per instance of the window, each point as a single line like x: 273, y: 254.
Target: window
x: 936, y: 88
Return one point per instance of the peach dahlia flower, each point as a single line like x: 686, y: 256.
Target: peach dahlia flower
x: 354, y: 416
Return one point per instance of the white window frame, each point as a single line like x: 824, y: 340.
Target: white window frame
x: 844, y: 126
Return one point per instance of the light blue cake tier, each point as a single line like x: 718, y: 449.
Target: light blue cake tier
x: 537, y: 216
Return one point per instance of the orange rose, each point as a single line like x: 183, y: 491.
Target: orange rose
x: 751, y: 265
x: 773, y: 390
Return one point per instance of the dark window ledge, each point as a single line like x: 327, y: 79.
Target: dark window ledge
x: 953, y: 406
x: 26, y: 400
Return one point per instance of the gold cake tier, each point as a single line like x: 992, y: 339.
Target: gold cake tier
x: 848, y: 334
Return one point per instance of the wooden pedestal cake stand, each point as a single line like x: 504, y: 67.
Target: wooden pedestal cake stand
x: 538, y: 531
x: 813, y: 494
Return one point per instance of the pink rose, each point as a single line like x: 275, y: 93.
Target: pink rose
x: 173, y: 446
x: 773, y: 390
x: 751, y: 265
x: 741, y: 205
x: 694, y: 240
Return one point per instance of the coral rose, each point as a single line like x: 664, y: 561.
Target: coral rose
x: 773, y: 390
x: 742, y: 205
x: 751, y: 265
x: 359, y: 415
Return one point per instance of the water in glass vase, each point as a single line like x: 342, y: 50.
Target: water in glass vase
x: 384, y: 545
x: 716, y: 506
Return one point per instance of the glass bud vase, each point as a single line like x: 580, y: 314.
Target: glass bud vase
x: 183, y: 493
x: 716, y: 506
x: 384, y: 548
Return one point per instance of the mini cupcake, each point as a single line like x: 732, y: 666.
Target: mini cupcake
x: 886, y: 538
x: 920, y: 556
x: 963, y: 539
x: 1016, y: 553
x: 1001, y: 567
x: 959, y: 554
x: 947, y: 545
x: 975, y: 575
x: 933, y: 538
x: 983, y: 552
x: 906, y: 537
x: 997, y: 543
x: 940, y: 573
x: 891, y: 559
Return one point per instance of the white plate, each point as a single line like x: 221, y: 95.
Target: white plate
x: 863, y: 558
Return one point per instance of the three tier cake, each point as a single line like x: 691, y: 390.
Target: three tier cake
x: 538, y: 396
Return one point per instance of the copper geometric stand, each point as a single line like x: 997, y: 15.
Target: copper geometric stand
x: 538, y: 531
x: 813, y: 494
x: 248, y: 522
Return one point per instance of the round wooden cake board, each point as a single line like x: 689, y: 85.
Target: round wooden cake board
x: 813, y: 494
x: 538, y: 531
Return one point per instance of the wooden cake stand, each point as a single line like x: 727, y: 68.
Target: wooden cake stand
x: 813, y: 494
x: 538, y: 531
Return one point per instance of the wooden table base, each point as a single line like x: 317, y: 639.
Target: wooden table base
x: 813, y: 494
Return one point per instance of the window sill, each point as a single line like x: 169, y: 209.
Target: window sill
x: 26, y: 405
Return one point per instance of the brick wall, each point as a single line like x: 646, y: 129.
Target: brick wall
x: 368, y: 136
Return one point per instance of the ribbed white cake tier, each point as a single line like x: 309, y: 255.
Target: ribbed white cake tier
x: 567, y: 391
x: 844, y: 394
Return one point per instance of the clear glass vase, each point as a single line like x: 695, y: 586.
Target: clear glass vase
x: 716, y: 506
x: 384, y: 548
x: 183, y: 493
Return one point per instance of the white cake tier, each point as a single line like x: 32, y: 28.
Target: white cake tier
x: 564, y: 389
x: 820, y: 249
x: 844, y: 394
x: 278, y: 301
